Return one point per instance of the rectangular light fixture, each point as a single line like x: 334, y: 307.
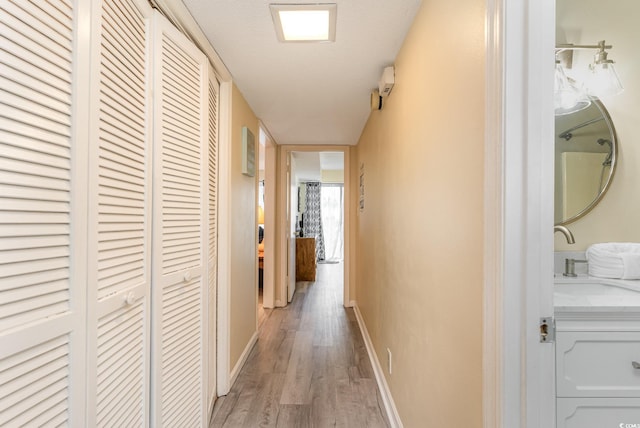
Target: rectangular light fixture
x: 305, y: 22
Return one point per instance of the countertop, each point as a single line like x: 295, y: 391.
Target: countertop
x: 590, y: 294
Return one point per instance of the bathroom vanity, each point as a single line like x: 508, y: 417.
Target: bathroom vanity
x: 597, y: 352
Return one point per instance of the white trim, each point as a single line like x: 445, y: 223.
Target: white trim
x: 243, y: 359
x: 383, y: 386
x: 224, y: 241
x: 81, y: 108
x: 523, y: 368
x: 346, y: 215
x: 281, y: 274
x: 352, y: 304
x: 493, y: 207
x: 270, y: 202
x: 539, y: 358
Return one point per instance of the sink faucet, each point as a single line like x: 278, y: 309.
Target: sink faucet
x: 566, y: 232
x: 570, y: 267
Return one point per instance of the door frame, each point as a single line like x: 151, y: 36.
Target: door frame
x: 281, y: 278
x: 518, y: 370
x: 269, y: 263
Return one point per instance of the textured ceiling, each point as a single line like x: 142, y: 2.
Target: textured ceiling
x: 307, y: 93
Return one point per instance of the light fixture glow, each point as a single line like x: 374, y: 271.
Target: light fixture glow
x: 304, y: 23
x: 602, y: 81
x: 568, y: 97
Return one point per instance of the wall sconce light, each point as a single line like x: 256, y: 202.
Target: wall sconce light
x: 604, y: 79
x: 570, y: 96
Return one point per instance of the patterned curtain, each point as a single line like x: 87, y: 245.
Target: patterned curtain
x: 312, y: 225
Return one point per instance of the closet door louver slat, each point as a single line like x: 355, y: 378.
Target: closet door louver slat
x: 120, y: 219
x: 180, y: 230
x: 38, y: 305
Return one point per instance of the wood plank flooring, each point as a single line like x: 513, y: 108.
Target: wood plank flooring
x: 309, y: 367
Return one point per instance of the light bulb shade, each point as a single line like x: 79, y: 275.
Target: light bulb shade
x: 568, y: 97
x: 603, y: 80
x: 260, y: 215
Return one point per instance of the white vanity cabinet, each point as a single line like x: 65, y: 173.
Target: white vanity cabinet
x: 597, y: 382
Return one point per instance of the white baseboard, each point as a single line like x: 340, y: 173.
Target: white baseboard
x: 243, y: 359
x: 278, y: 304
x: 385, y: 392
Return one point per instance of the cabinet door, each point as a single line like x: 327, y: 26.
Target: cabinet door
x: 179, y: 286
x: 118, y: 295
x: 597, y: 364
x: 41, y: 210
x: 597, y: 412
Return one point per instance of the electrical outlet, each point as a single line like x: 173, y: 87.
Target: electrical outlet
x: 389, y: 360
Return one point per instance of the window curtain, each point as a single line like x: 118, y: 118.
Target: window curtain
x: 333, y: 221
x: 312, y: 225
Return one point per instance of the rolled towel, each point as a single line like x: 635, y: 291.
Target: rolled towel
x: 618, y: 260
x: 631, y: 265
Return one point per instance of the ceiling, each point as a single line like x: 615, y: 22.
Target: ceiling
x: 309, y: 165
x: 307, y: 93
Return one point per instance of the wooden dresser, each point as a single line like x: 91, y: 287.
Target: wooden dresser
x: 305, y: 259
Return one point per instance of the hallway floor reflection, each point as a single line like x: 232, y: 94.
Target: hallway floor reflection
x: 309, y: 367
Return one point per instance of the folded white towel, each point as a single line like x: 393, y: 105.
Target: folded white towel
x: 620, y: 260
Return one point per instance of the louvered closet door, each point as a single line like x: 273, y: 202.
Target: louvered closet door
x: 120, y: 218
x: 214, y: 89
x: 41, y: 291
x: 179, y: 285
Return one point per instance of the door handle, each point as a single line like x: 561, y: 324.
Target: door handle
x: 636, y: 365
x: 130, y: 298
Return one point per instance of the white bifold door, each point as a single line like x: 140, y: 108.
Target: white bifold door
x: 108, y: 136
x: 179, y: 384
x: 120, y: 216
x: 42, y: 246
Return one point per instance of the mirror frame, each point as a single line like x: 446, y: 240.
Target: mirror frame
x: 614, y: 164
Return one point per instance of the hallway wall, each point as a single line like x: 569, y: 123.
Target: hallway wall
x: 244, y: 237
x: 420, y: 235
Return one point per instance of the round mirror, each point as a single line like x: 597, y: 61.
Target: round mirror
x: 586, y: 151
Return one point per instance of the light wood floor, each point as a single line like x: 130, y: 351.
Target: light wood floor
x: 309, y: 367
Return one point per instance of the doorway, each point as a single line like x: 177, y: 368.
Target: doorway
x: 309, y: 174
x: 266, y: 218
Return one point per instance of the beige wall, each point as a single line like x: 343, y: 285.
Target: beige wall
x: 420, y: 237
x: 587, y: 22
x: 332, y: 176
x: 243, y: 232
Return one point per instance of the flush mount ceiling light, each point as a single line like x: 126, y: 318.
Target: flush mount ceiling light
x: 305, y: 22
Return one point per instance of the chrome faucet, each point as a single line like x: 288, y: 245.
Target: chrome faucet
x: 566, y: 232
x: 570, y: 267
